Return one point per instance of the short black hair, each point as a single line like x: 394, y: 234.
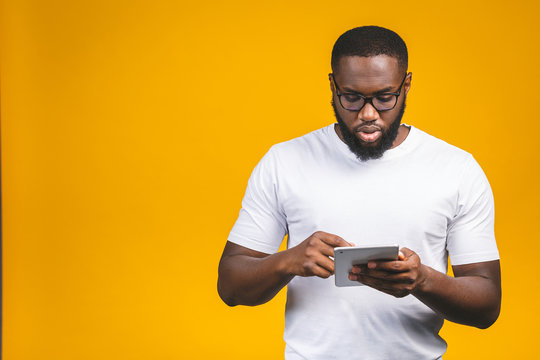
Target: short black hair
x: 367, y: 41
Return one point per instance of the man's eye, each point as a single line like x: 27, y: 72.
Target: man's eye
x: 385, y: 98
x: 351, y: 97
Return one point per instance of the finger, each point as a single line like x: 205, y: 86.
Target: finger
x: 357, y: 269
x: 321, y: 272
x: 384, y: 276
x: 326, y: 264
x: 406, y: 252
x: 331, y: 239
x: 384, y: 285
x: 320, y: 247
x: 389, y: 266
x: 327, y: 250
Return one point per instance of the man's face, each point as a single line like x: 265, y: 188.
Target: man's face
x: 368, y: 132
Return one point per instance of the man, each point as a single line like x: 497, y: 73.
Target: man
x: 367, y: 180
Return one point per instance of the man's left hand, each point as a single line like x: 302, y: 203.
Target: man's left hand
x: 398, y: 278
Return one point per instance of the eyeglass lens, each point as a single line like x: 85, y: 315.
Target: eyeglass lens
x: 380, y: 103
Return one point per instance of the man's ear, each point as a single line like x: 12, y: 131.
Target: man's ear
x: 407, y: 84
x: 332, y: 87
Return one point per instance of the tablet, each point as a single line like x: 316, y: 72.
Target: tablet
x: 346, y: 257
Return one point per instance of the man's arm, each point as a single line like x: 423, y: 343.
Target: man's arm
x: 249, y: 277
x: 472, y: 297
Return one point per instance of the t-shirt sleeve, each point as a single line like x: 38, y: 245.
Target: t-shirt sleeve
x: 471, y: 234
x: 261, y: 224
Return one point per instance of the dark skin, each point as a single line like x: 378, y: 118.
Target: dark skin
x: 472, y: 297
x: 249, y: 277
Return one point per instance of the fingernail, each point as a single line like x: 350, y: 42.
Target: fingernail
x: 371, y: 265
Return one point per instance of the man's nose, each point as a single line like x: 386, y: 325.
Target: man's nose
x: 368, y: 113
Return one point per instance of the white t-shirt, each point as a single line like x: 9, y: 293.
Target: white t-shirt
x: 424, y: 194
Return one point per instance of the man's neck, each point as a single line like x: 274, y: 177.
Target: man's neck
x: 401, y: 135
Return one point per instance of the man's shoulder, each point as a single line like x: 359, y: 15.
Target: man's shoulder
x: 439, y: 148
x: 311, y: 142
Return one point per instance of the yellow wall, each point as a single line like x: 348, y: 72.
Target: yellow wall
x: 129, y: 130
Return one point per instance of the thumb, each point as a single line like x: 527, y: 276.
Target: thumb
x: 405, y: 253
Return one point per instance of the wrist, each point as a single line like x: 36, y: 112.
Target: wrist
x: 424, y: 280
x: 285, y: 263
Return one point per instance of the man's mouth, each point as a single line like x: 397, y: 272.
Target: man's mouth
x: 369, y: 134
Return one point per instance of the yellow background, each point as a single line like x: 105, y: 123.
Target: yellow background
x: 129, y: 130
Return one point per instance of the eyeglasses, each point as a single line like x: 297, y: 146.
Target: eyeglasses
x: 356, y: 101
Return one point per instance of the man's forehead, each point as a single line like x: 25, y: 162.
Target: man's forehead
x: 380, y: 70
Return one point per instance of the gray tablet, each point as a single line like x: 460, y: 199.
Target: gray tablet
x: 346, y: 257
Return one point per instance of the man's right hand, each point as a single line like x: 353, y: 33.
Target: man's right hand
x: 250, y: 277
x: 312, y: 256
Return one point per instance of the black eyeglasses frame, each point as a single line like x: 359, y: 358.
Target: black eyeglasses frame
x: 367, y: 99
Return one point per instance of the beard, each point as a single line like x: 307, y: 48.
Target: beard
x: 376, y: 151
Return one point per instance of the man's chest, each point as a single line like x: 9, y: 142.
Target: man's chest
x: 370, y: 205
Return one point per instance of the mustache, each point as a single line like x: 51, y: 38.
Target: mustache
x: 367, y: 128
